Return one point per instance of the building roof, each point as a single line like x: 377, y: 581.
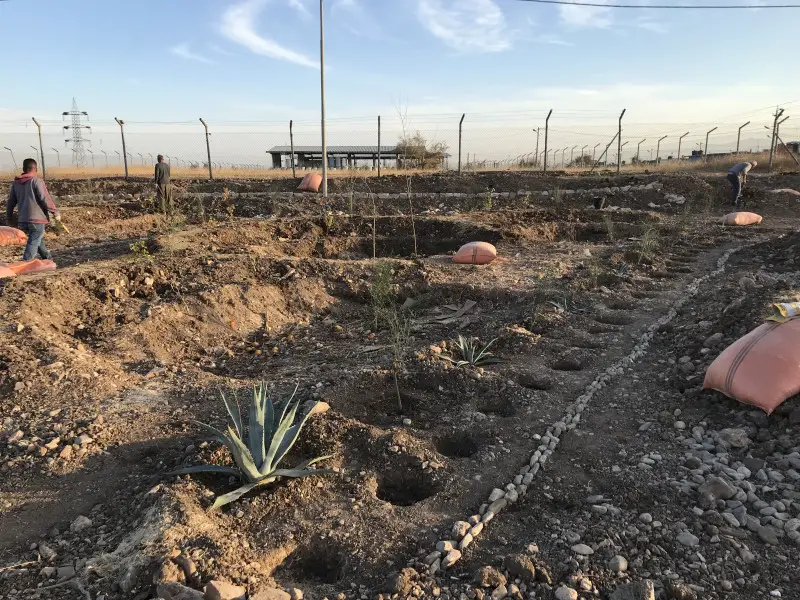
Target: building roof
x: 334, y: 149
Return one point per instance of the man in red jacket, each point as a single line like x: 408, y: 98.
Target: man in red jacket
x: 29, y: 194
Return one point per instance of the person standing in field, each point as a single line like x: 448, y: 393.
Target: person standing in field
x: 163, y: 185
x: 737, y: 175
x: 34, y: 206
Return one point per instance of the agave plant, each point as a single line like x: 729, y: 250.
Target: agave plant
x: 271, y: 433
x: 472, y: 354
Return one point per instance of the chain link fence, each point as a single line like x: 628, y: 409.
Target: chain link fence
x: 577, y: 139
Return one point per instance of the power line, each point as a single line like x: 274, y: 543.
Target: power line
x: 666, y: 6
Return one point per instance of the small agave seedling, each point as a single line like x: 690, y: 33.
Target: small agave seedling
x: 473, y: 355
x: 271, y: 433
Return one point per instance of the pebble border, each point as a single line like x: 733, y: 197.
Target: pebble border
x: 448, y: 552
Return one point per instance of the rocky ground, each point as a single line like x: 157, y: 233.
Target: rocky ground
x: 589, y: 463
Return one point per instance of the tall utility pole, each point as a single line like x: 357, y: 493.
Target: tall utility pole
x: 546, y: 131
x: 12, y: 156
x: 121, y: 124
x: 778, y: 113
x: 77, y: 139
x: 322, y: 98
x: 739, y: 136
x: 460, y: 128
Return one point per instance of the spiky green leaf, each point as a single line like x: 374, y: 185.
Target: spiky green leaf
x: 255, y: 427
x: 233, y: 410
x: 277, y: 440
x: 207, y: 469
x: 224, y: 499
x: 290, y: 438
x: 242, y: 457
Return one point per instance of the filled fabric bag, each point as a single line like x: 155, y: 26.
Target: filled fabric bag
x: 6, y: 272
x: 310, y: 183
x: 761, y: 368
x: 11, y: 236
x: 475, y: 253
x: 26, y: 267
x: 741, y: 218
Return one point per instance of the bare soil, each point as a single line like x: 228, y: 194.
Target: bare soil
x: 149, y: 316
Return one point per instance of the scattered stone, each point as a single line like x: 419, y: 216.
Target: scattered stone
x: 65, y: 572
x: 489, y: 577
x: 83, y: 440
x: 451, y: 558
x: 767, y: 535
x: 177, y: 591
x: 582, y: 549
x: 638, y: 590
x: 402, y: 582
x: 618, y: 564
x: 80, y: 523
x: 679, y: 425
x: 687, y: 538
x: 679, y: 591
x: 734, y: 438
x: 499, y: 592
x: 713, y: 340
x: 519, y: 565
x: 296, y: 594
x: 496, y: 494
x: 716, y: 487
x: 646, y: 518
x: 66, y: 453
x: 223, y: 590
x: 566, y: 593
x: 46, y: 552
x: 460, y: 529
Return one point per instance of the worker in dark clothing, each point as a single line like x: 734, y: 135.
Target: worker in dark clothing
x: 30, y: 197
x: 163, y: 186
x: 737, y: 176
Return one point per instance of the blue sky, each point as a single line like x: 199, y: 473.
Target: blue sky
x: 504, y: 62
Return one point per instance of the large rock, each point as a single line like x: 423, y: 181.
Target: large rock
x: 402, y: 582
x: 224, y: 590
x: 566, y: 593
x: 489, y: 577
x: 679, y: 591
x: 176, y: 591
x: 519, y: 565
x: 716, y: 487
x: 734, y: 438
x: 639, y: 590
x: 271, y: 595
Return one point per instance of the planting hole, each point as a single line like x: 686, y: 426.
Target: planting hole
x: 318, y: 562
x: 567, y: 363
x: 405, y: 488
x: 461, y: 444
x: 612, y: 318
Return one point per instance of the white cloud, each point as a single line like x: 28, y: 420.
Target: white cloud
x: 650, y: 25
x: 589, y: 17
x: 184, y: 51
x: 554, y: 40
x: 219, y: 50
x: 301, y: 8
x: 466, y: 25
x: 238, y: 25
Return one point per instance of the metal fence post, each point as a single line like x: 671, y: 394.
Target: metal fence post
x: 582, y: 153
x: 639, y: 145
x: 460, y: 123
x: 778, y: 113
x: 658, y: 149
x: 594, y: 150
x: 739, y: 136
x: 41, y: 148
x: 572, y: 154
x: 619, y: 139
x: 208, y: 149
x: 546, y: 131
x: 680, y: 139
x: 379, y: 146
x: 291, y: 146
x: 124, y: 150
x: 536, y: 156
x: 705, y: 150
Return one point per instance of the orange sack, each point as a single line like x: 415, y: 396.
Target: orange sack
x: 32, y: 266
x: 762, y: 368
x: 310, y: 183
x: 741, y: 218
x: 11, y: 236
x: 475, y: 253
x: 6, y: 272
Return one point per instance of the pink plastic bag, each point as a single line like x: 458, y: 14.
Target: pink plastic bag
x: 762, y: 368
x: 11, y: 236
x: 310, y: 183
x: 741, y: 218
x: 36, y: 265
x: 475, y: 253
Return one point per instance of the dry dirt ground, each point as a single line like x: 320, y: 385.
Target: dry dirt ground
x: 106, y: 362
